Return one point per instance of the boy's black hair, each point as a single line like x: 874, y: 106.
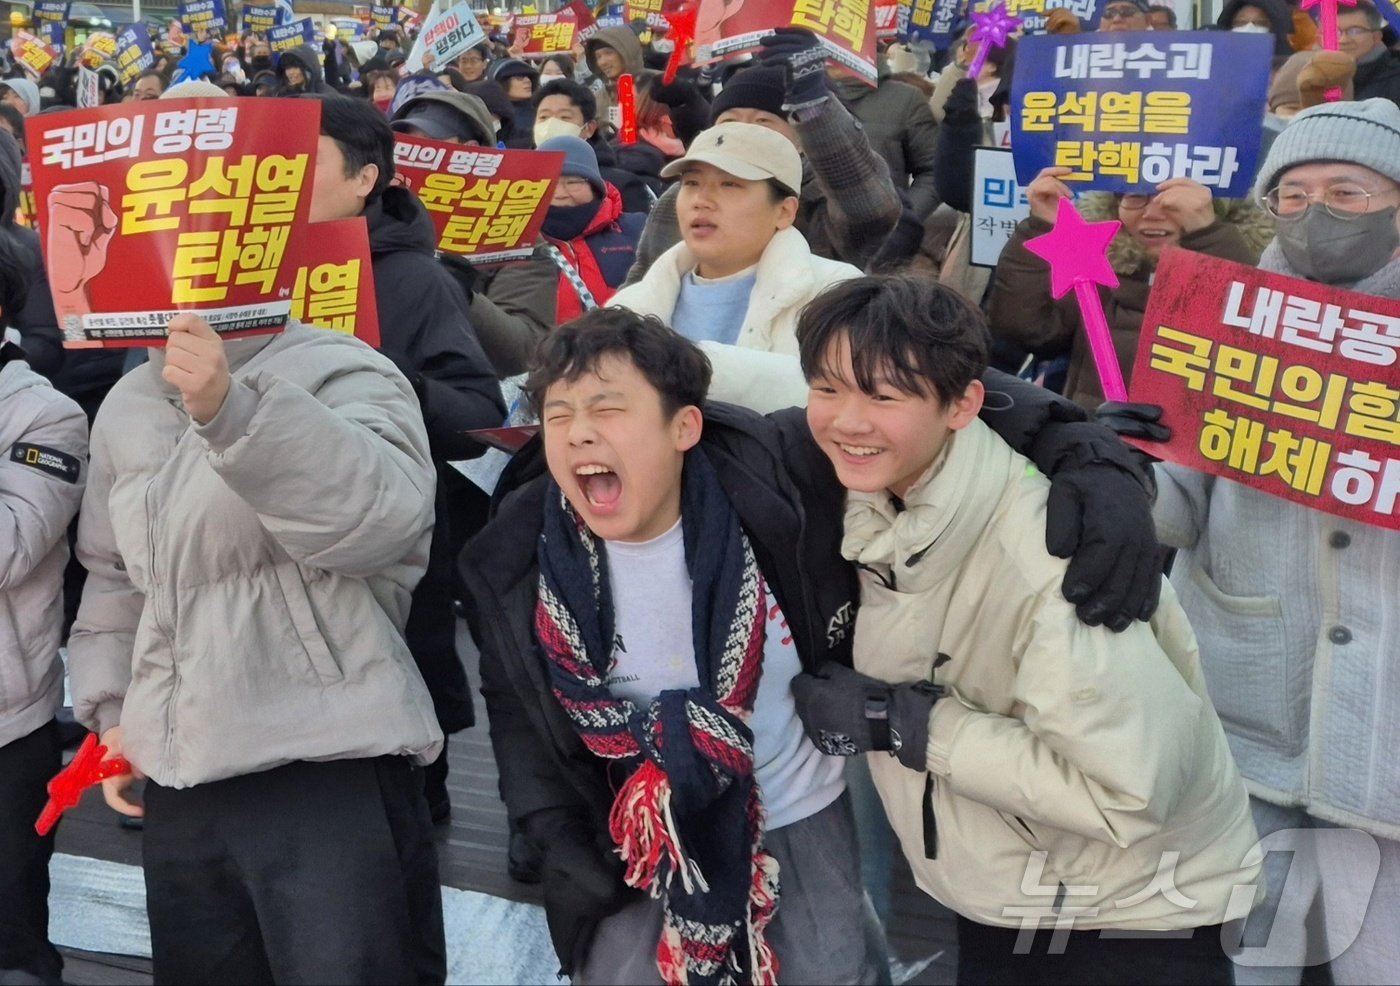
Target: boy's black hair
x: 16, y: 121
x: 909, y: 332
x: 1163, y: 8
x: 361, y: 132
x: 580, y: 95
x: 671, y: 363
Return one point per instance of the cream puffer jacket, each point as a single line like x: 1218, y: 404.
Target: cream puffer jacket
x: 1066, y: 756
x: 249, y: 579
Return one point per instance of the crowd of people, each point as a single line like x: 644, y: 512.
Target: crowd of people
x: 794, y: 513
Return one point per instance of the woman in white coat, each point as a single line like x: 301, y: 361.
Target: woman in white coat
x: 742, y: 273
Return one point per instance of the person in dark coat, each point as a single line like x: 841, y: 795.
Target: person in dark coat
x: 426, y: 330
x: 299, y: 71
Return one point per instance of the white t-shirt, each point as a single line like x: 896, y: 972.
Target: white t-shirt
x: 654, y: 651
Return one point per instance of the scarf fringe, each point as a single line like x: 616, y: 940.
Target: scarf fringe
x: 670, y: 957
x: 763, y: 904
x: 645, y: 831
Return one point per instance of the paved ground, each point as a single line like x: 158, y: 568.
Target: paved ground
x: 473, y: 852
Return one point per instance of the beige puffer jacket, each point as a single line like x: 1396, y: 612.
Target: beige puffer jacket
x: 249, y: 579
x: 1067, y: 756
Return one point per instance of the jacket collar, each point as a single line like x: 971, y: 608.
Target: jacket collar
x: 914, y: 547
x: 784, y: 276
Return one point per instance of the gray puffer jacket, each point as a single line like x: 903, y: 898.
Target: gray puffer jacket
x: 43, y: 463
x: 250, y: 578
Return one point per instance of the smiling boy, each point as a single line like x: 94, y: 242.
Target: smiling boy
x: 1025, y: 750
x: 665, y: 569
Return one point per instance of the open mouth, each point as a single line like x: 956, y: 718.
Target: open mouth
x: 600, y: 486
x: 1155, y: 235
x: 858, y: 452
x: 703, y: 227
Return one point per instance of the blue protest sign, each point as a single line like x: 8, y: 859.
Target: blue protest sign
x: 1127, y: 111
x: 931, y: 20
x: 51, y: 11
x: 259, y: 20
x: 285, y: 37
x: 206, y: 14
x: 384, y: 14
x: 134, y: 52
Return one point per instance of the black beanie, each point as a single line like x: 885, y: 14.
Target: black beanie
x: 759, y: 88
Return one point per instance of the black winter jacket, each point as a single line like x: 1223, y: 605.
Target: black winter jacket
x: 424, y: 328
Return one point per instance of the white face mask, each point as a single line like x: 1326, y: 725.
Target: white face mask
x: 1250, y: 29
x: 555, y: 127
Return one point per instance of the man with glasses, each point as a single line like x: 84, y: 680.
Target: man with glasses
x: 1125, y: 15
x: 1359, y: 35
x: 1292, y: 607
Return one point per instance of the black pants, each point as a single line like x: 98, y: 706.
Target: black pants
x: 26, y: 766
x: 987, y: 955
x: 309, y: 873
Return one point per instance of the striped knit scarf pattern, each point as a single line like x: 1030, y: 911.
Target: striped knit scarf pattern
x: 688, y: 822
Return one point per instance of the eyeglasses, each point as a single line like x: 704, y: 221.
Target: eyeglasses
x: 1121, y: 12
x: 1358, y: 32
x: 1342, y: 201
x: 1134, y: 202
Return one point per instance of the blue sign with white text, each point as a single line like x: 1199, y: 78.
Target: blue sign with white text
x: 1127, y: 111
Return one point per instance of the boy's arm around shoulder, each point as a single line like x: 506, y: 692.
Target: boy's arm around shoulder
x: 340, y: 477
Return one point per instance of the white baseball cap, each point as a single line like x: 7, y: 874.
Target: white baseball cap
x: 745, y: 151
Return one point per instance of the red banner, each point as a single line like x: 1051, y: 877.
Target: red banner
x: 542, y: 35
x: 845, y: 27
x: 35, y: 54
x: 332, y: 280
x: 887, y: 21
x: 583, y: 17
x: 485, y: 203
x: 1287, y: 386
x: 646, y: 10
x: 149, y: 209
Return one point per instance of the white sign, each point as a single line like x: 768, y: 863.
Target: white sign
x: 89, y: 94
x: 446, y: 34
x: 998, y: 203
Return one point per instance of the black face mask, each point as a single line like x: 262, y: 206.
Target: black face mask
x: 567, y: 222
x: 260, y: 63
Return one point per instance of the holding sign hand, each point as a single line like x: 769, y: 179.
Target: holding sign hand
x: 195, y: 363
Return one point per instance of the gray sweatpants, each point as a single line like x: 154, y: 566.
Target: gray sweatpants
x: 825, y: 930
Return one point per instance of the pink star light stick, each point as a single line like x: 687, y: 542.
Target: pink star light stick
x: 992, y: 29
x: 1330, y: 34
x: 1077, y: 254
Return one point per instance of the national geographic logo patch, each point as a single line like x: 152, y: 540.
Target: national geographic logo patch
x: 50, y: 460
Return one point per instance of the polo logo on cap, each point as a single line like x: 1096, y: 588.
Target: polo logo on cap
x: 719, y: 141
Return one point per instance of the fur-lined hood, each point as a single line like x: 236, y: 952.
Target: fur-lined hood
x: 1128, y: 257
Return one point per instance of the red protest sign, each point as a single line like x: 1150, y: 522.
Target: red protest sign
x: 646, y: 10
x: 332, y: 280
x: 887, y: 21
x: 583, y: 17
x: 153, y: 208
x: 28, y: 215
x: 1287, y: 386
x: 485, y: 203
x: 542, y: 35
x: 33, y: 53
x: 845, y: 27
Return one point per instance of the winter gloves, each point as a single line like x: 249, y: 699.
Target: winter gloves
x: 804, y: 65
x: 845, y: 713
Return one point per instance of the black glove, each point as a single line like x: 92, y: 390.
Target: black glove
x: 582, y: 883
x: 678, y: 93
x: 845, y: 713
x: 963, y: 107
x: 1099, y: 516
x: 804, y: 65
x: 1142, y: 421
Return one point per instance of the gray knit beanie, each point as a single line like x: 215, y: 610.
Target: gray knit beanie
x: 1365, y: 133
